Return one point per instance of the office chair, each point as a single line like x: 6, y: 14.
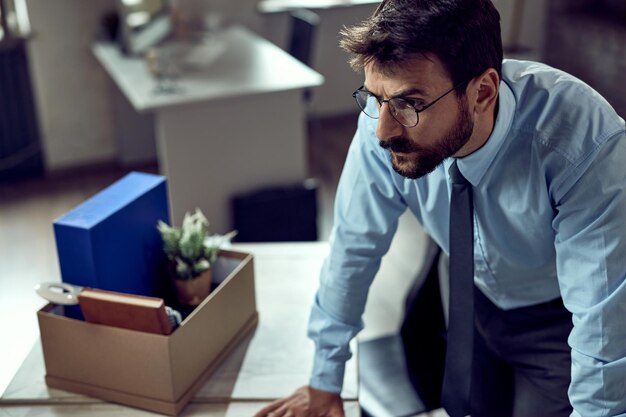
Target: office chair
x: 304, y: 25
x: 276, y: 213
x: 401, y: 375
x: 303, y: 28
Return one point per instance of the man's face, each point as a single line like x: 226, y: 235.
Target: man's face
x: 442, y: 130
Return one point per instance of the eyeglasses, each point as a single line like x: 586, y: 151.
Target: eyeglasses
x: 404, y: 110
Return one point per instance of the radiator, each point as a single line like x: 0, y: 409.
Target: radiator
x: 20, y: 149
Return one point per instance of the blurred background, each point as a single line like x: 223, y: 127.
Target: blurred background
x: 70, y: 116
x: 67, y: 128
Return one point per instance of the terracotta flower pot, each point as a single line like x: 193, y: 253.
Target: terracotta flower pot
x: 193, y: 291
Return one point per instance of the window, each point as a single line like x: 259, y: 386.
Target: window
x: 14, y: 22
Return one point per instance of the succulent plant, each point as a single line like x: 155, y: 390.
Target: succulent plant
x: 191, y: 248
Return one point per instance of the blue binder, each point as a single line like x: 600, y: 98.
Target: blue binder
x: 111, y: 241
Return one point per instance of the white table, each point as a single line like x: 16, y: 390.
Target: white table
x: 236, y: 124
x: 269, y: 364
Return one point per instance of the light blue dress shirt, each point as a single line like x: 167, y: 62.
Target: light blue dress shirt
x: 549, y: 221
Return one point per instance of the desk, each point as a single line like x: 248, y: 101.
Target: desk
x: 235, y: 125
x: 269, y: 364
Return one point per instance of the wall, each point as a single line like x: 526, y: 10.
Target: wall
x: 71, y: 90
x: 590, y: 45
x: 241, y: 11
x: 531, y: 22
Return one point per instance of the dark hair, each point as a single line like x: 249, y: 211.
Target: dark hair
x: 463, y: 34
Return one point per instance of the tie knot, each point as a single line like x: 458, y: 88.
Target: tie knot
x: 455, y: 175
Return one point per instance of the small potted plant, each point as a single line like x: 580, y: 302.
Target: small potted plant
x: 191, y: 251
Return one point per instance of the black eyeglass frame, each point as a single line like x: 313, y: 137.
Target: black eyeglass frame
x: 417, y: 111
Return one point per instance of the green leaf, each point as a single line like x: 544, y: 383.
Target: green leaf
x: 191, y: 246
x: 182, y: 269
x: 201, y: 266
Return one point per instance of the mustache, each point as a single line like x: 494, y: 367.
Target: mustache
x: 399, y: 144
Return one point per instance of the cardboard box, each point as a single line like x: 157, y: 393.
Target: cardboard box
x: 111, y: 242
x: 155, y: 372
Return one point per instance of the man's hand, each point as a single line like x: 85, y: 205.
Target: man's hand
x: 305, y: 402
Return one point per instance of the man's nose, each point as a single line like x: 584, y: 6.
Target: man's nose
x: 388, y: 126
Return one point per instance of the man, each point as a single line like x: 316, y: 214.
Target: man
x: 546, y: 159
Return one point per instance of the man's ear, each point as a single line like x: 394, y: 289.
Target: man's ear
x: 485, y: 89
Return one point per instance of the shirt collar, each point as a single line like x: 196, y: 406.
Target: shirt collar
x: 474, y: 166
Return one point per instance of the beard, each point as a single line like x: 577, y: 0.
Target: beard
x: 416, y: 160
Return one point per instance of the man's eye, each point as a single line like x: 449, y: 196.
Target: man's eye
x: 417, y: 104
x: 409, y: 103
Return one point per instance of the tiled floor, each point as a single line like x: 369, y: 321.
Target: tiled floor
x: 28, y: 253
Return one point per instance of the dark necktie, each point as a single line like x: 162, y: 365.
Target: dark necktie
x: 458, y: 368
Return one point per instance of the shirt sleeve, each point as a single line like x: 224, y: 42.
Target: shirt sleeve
x: 590, y: 225
x: 367, y: 208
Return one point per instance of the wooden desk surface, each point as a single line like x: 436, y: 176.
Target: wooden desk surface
x: 270, y: 364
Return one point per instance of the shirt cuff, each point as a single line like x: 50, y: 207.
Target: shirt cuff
x: 327, y: 375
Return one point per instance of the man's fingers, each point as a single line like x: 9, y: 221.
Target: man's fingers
x: 305, y: 402
x: 268, y: 409
x: 283, y: 411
